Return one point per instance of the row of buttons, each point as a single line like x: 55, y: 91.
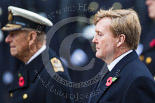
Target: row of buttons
x: 148, y: 60
x: 25, y: 96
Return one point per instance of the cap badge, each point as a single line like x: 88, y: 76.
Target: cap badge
x: 10, y: 16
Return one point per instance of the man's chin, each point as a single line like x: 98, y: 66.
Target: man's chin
x: 152, y: 16
x: 13, y: 54
x: 98, y: 56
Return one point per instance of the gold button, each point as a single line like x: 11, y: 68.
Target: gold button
x: 148, y: 60
x: 25, y: 96
x: 141, y: 58
x: 11, y: 94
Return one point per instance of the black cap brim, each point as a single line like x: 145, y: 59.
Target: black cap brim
x: 11, y: 27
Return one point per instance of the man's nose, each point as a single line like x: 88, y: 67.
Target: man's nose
x: 8, y: 39
x: 94, y: 39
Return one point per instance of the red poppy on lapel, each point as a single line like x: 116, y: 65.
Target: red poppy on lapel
x: 152, y: 43
x: 21, y: 80
x: 110, y: 80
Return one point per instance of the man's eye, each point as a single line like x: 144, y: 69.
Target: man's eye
x: 12, y: 34
x: 99, y: 34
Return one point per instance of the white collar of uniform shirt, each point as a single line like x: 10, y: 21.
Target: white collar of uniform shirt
x: 112, y: 64
x: 36, y: 54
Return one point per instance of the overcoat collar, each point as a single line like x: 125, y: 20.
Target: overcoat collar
x: 114, y: 73
x: 30, y: 71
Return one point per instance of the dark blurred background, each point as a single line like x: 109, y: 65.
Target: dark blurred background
x: 81, y: 49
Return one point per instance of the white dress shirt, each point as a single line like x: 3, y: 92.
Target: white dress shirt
x: 112, y: 64
x: 37, y: 53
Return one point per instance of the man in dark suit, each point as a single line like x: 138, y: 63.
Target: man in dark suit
x: 148, y: 51
x: 127, y: 79
x: 37, y: 79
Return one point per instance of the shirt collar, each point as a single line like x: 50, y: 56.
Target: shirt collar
x: 36, y: 54
x: 113, y: 63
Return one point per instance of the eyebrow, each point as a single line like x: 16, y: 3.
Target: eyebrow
x: 97, y: 31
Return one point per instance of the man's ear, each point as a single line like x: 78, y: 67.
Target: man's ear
x: 32, y: 37
x: 121, y: 40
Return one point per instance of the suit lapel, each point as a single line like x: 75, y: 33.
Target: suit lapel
x: 115, y: 73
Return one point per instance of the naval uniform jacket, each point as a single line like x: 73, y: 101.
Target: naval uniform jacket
x: 38, y: 85
x: 128, y: 82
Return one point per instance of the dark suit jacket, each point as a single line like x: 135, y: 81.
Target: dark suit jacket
x: 39, y: 86
x: 134, y: 83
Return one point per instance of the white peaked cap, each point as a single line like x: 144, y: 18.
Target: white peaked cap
x: 19, y: 18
